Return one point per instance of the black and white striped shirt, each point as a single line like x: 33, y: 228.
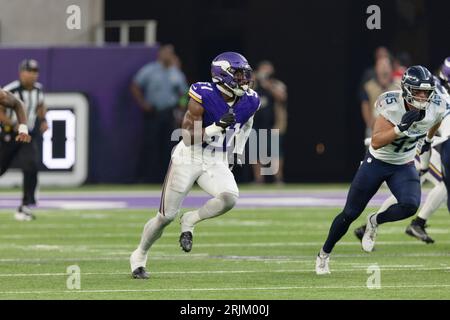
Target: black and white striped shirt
x: 31, y: 99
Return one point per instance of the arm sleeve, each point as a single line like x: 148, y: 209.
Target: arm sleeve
x: 242, y: 136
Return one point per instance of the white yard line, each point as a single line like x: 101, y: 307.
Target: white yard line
x: 161, y: 255
x: 423, y: 286
x: 202, y: 272
x: 62, y: 247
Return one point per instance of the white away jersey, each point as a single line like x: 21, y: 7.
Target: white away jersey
x: 391, y: 106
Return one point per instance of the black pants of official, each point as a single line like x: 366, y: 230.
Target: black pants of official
x: 157, y: 146
x: 25, y: 156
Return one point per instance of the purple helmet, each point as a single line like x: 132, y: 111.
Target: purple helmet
x: 444, y: 73
x: 233, y: 71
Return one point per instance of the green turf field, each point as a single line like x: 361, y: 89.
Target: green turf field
x: 245, y: 254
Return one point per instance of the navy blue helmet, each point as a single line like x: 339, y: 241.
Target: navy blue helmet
x: 415, y: 79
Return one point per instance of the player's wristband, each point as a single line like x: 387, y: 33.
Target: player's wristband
x: 428, y: 140
x: 23, y: 128
x: 213, y: 130
x: 398, y: 131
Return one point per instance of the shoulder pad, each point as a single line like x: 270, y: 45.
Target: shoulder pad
x: 387, y: 99
x: 254, y: 98
x: 199, y: 89
x: 387, y: 105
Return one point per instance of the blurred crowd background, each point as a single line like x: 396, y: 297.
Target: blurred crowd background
x: 318, y: 69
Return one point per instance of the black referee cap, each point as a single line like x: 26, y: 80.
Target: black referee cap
x: 29, y: 65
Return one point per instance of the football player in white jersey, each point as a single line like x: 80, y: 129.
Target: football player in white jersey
x: 404, y: 118
x: 216, y: 109
x: 429, y: 166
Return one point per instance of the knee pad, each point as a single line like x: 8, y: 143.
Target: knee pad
x: 228, y: 199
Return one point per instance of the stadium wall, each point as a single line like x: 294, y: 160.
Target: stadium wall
x: 103, y: 75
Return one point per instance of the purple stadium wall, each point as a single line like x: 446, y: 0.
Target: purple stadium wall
x: 104, y: 75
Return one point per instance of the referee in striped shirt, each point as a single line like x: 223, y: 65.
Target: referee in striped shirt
x: 28, y: 90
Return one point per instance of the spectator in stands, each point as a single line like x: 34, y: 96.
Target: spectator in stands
x: 271, y: 115
x: 400, y: 63
x: 157, y: 89
x: 382, y: 82
x: 379, y: 53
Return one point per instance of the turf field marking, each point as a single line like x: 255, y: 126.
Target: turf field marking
x: 363, y: 268
x: 202, y: 234
x: 275, y: 259
x: 44, y: 246
x: 431, y: 286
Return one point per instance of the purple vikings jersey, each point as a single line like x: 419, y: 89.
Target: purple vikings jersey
x: 211, y: 99
x: 215, y: 107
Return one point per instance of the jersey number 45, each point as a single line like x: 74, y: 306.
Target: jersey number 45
x: 405, y: 144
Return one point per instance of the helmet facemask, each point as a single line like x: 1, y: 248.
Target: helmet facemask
x: 411, y: 95
x: 237, y: 80
x: 243, y: 79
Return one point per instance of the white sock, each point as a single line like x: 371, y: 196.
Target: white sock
x: 434, y: 200
x: 373, y: 219
x: 387, y: 203
x: 212, y: 208
x: 152, y: 232
x: 188, y: 220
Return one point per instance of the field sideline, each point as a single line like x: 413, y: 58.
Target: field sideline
x: 253, y: 252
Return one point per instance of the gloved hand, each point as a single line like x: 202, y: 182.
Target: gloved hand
x: 425, y: 155
x: 426, y: 146
x: 408, y: 119
x: 227, y: 120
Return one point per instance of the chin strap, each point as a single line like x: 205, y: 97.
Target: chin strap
x: 224, y: 91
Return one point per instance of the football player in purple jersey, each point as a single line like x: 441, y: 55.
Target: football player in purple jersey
x: 215, y: 109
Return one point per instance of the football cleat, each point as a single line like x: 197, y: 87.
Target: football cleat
x: 24, y: 213
x: 418, y: 231
x: 370, y: 234
x: 140, y: 273
x: 186, y: 241
x: 359, y: 232
x: 322, y: 262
